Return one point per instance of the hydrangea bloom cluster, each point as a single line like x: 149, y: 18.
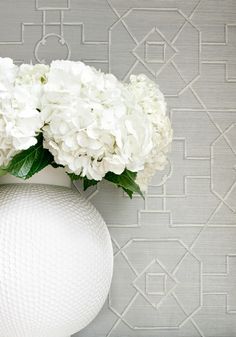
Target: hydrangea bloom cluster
x: 20, y: 96
x: 151, y: 101
x: 90, y: 122
x: 92, y: 125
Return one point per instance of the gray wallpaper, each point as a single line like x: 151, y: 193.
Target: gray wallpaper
x: 175, y: 252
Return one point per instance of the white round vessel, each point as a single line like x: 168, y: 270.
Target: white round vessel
x: 56, y: 258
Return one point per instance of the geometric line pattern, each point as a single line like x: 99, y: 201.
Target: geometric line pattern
x: 175, y: 251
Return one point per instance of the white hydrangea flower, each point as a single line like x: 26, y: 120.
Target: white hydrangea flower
x: 32, y: 78
x: 152, y: 102
x: 93, y: 125
x: 20, y: 121
x: 29, y: 74
x: 8, y: 71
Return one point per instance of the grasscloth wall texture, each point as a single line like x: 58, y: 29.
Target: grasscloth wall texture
x: 175, y: 252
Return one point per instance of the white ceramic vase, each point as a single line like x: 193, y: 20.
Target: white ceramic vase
x: 56, y: 257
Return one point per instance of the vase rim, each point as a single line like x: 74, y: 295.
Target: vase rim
x: 48, y: 176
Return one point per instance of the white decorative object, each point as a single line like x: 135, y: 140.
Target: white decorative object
x: 56, y: 257
x: 71, y: 115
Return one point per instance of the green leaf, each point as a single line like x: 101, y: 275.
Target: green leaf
x: 2, y: 171
x: 89, y: 182
x: 73, y: 176
x: 130, y: 193
x: 126, y: 181
x: 55, y: 165
x: 28, y: 162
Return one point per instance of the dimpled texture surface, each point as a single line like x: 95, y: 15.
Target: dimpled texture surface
x: 56, y: 261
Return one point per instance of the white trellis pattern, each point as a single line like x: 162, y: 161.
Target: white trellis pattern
x: 175, y: 252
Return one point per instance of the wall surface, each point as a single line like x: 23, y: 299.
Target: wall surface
x: 175, y: 252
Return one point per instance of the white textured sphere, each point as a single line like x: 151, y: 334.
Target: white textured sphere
x: 55, y: 261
